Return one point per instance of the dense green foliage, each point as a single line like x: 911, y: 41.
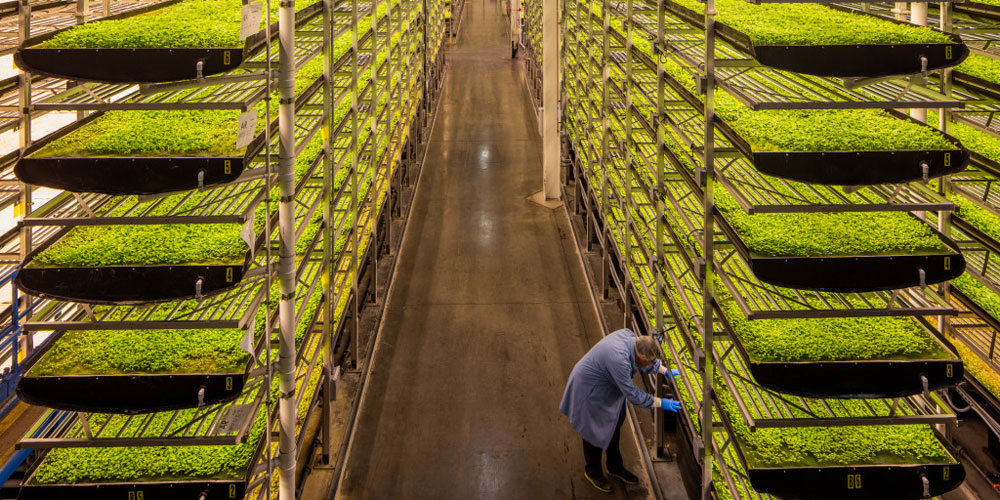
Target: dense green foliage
x: 812, y: 24
x: 977, y: 216
x: 831, y: 339
x: 210, y: 132
x: 104, y: 352
x: 188, y: 24
x: 827, y: 130
x: 983, y: 372
x: 148, y: 463
x: 812, y: 339
x: 812, y: 129
x: 829, y: 234
x: 146, y: 244
x: 982, y: 67
x: 833, y: 446
x: 974, y: 139
x: 979, y: 293
x: 151, y: 133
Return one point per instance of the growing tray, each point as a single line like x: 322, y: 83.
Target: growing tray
x: 123, y: 285
x: 228, y: 489
x: 127, y: 393
x: 851, y: 379
x: 869, y: 482
x: 844, y: 61
x: 120, y: 175
x: 139, y: 65
x: 851, y: 274
x: 982, y: 9
x: 854, y: 168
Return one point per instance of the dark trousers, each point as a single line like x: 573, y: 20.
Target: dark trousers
x: 593, y: 453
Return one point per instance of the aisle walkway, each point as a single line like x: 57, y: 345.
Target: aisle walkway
x: 490, y: 309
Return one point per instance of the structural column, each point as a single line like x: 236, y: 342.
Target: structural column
x: 550, y: 99
x: 287, y: 410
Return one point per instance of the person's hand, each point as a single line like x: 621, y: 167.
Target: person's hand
x: 670, y: 405
x: 673, y: 373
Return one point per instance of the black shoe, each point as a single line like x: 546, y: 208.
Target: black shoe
x: 600, y: 482
x: 624, y: 476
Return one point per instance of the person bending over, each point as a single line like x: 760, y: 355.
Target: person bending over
x: 595, y: 397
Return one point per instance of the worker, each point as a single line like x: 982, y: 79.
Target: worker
x: 595, y: 398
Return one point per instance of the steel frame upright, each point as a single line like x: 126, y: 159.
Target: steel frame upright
x: 708, y: 274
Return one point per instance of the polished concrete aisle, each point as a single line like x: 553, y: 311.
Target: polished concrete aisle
x: 489, y: 313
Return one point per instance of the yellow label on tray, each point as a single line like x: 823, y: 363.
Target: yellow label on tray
x: 947, y: 263
x: 854, y: 481
x: 228, y: 167
x: 947, y: 52
x: 947, y: 159
x: 135, y: 495
x: 226, y: 58
x: 950, y: 372
x: 229, y: 274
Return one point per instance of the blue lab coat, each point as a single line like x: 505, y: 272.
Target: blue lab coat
x: 600, y: 383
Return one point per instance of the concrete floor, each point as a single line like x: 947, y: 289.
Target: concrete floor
x: 489, y: 312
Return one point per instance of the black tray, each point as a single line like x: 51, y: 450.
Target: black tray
x: 850, y: 274
x: 139, y: 65
x: 129, y: 393
x: 838, y: 60
x: 214, y: 489
x: 129, y: 65
x: 889, y: 482
x: 853, y: 168
x: 128, y: 284
x: 872, y: 482
x: 139, y: 393
x: 161, y: 490
x: 127, y: 175
x: 851, y: 379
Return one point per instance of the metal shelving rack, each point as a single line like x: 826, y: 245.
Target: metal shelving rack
x: 371, y: 109
x: 623, y: 113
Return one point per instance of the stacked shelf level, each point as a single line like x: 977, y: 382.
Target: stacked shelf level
x: 224, y: 355
x: 744, y: 251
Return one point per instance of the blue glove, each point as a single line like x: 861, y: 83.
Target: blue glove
x: 673, y: 373
x: 670, y: 405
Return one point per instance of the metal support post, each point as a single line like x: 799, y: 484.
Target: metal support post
x: 626, y: 200
x: 515, y: 26
x: 550, y: 100
x: 286, y: 254
x: 661, y: 286
x: 918, y: 16
x: 328, y: 238
x: 944, y: 124
x: 708, y: 290
x: 355, y: 180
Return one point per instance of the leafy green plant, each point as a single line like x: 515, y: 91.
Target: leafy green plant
x: 106, y: 352
x: 164, y: 243
x: 829, y: 234
x: 97, y: 465
x: 181, y: 133
x: 810, y: 130
x: 831, y: 339
x: 812, y: 24
x: 982, y: 67
x: 974, y: 139
x: 188, y: 24
x: 977, y: 216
